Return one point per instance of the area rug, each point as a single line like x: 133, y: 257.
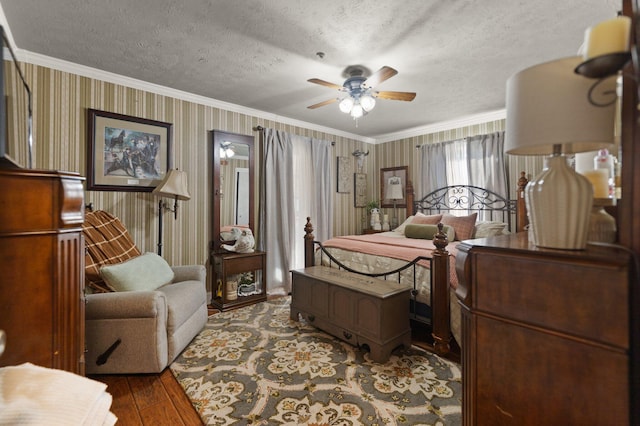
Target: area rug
x: 256, y: 366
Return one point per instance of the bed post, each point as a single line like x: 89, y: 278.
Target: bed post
x: 440, y: 315
x: 409, y: 197
x: 521, y: 208
x: 308, y: 244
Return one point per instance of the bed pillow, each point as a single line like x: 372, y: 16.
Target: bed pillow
x: 421, y: 219
x: 427, y: 231
x: 400, y: 229
x: 489, y: 229
x: 464, y: 225
x: 146, y: 272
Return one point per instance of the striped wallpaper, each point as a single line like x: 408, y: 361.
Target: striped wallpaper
x: 61, y: 100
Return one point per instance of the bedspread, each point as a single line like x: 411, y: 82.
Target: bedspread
x: 393, y: 245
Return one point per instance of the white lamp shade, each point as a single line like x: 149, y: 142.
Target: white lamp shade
x: 357, y: 111
x: 548, y: 104
x: 174, y: 184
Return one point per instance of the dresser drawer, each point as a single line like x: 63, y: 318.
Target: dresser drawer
x: 573, y: 297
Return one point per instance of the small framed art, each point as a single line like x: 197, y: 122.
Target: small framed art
x: 360, y: 190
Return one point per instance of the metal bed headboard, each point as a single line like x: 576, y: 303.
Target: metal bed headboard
x: 467, y: 198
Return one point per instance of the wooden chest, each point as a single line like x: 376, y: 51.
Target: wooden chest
x: 361, y: 310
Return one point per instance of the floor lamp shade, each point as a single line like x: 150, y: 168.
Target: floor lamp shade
x: 174, y: 184
x: 553, y: 111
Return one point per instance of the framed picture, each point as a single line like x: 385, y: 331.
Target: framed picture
x: 344, y: 175
x: 393, y: 187
x: 359, y: 189
x: 126, y: 153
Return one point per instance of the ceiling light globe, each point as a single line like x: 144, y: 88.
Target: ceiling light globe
x: 357, y: 111
x: 346, y: 104
x: 230, y: 153
x: 368, y: 102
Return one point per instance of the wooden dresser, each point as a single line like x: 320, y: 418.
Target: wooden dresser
x: 545, y: 333
x: 42, y: 268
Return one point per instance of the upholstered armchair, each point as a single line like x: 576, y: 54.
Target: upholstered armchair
x: 140, y: 312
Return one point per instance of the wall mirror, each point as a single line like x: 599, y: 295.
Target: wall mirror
x: 233, y: 181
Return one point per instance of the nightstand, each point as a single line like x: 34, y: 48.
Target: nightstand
x: 238, y: 279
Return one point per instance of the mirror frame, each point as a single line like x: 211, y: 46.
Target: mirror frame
x: 217, y: 137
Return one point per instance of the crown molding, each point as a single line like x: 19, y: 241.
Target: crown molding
x: 94, y: 73
x: 469, y: 120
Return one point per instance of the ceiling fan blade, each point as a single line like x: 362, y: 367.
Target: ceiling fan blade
x: 379, y: 76
x: 325, y: 83
x: 395, y: 96
x: 320, y: 104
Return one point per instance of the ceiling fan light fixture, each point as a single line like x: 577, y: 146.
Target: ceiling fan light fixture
x: 357, y: 111
x: 368, y: 102
x: 346, y: 104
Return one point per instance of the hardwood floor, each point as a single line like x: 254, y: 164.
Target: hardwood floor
x: 159, y: 400
x: 149, y: 399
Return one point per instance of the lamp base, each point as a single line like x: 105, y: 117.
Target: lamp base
x: 602, y: 226
x: 559, y: 202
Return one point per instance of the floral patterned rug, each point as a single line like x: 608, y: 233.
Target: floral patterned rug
x: 256, y: 366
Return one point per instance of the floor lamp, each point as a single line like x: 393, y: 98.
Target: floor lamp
x: 394, y: 193
x: 173, y: 185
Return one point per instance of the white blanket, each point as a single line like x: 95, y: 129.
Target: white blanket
x: 33, y: 395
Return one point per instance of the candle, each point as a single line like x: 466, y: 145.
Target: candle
x: 600, y: 180
x: 610, y: 36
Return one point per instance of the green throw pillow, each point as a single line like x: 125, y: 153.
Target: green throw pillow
x: 146, y: 272
x: 427, y: 232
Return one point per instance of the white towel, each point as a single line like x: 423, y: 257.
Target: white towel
x: 33, y: 395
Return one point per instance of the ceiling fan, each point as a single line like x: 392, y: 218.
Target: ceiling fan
x: 361, y: 95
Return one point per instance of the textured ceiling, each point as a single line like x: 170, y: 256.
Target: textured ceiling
x: 259, y: 54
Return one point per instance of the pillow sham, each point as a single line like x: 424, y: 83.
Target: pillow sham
x: 422, y: 219
x: 400, y: 229
x: 489, y: 229
x: 427, y: 231
x: 146, y: 272
x: 464, y: 225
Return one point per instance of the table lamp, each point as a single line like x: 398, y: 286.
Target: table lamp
x: 394, y: 193
x: 552, y: 110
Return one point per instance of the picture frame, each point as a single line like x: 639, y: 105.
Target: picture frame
x: 126, y: 153
x: 344, y: 175
x: 397, y: 176
x: 360, y: 190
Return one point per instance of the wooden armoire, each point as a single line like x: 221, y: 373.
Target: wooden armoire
x: 42, y: 268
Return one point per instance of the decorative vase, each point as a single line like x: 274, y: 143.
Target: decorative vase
x: 559, y: 202
x: 602, y: 226
x: 232, y: 290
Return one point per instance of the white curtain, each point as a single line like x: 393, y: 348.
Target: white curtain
x: 295, y: 183
x: 477, y: 160
x: 487, y: 167
x: 433, y: 168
